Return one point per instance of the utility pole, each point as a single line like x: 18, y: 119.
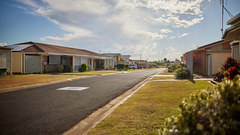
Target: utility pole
x: 222, y: 15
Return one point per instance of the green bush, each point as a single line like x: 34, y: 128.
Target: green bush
x: 182, y: 73
x: 67, y: 68
x: 60, y: 68
x: 126, y: 67
x: 174, y: 67
x: 83, y: 68
x: 210, y: 112
x: 120, y: 66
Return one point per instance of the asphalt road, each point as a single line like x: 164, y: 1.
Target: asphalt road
x: 47, y: 111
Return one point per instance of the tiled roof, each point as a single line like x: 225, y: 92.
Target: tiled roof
x: 47, y: 48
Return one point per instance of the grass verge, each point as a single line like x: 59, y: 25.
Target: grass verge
x: 89, y: 73
x: 18, y: 80
x: 166, y: 73
x: 147, y: 109
x: 162, y: 77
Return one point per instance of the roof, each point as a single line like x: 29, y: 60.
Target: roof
x: 234, y: 19
x: 233, y: 32
x: 34, y: 47
x: 5, y: 48
x: 111, y: 54
x: 211, y: 44
x: 18, y: 48
x: 126, y: 57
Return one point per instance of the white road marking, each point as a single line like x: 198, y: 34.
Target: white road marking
x: 73, y: 88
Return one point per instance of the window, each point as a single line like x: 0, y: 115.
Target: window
x: 54, y: 59
x: 236, y: 52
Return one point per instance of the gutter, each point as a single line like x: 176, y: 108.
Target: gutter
x: 44, y: 53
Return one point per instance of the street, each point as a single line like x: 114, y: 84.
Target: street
x: 55, y: 108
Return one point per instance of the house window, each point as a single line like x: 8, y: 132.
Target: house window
x: 54, y: 59
x: 236, y: 52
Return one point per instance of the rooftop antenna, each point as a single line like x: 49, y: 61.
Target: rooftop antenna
x: 224, y: 8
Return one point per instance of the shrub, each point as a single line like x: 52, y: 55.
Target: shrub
x: 110, y: 68
x: 230, y: 68
x: 126, y: 67
x: 67, y: 68
x: 232, y: 72
x: 182, y: 73
x: 212, y: 111
x: 120, y: 66
x: 174, y: 67
x: 60, y: 68
x: 83, y: 68
x: 230, y: 62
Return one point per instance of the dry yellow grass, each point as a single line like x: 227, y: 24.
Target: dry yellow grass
x: 18, y: 80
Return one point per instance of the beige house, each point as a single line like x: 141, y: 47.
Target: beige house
x: 32, y: 57
x: 208, y: 59
x: 117, y: 58
x: 233, y: 33
x: 5, y: 59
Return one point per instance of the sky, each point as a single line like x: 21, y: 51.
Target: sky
x: 145, y: 29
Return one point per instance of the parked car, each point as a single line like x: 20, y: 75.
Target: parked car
x: 132, y: 66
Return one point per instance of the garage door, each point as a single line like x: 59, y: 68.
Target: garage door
x: 33, y: 64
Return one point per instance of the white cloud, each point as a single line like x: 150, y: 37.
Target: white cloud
x: 128, y: 26
x: 176, y: 22
x: 29, y: 3
x: 191, y: 7
x: 183, y: 35
x: 76, y: 33
x: 172, y: 53
x: 165, y: 31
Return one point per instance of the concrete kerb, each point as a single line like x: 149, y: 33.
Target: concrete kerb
x: 85, y: 125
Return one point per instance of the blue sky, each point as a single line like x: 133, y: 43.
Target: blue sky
x: 156, y: 29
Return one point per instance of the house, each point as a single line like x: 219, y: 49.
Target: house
x: 126, y: 59
x: 33, y: 57
x: 5, y: 59
x: 208, y: 59
x: 117, y: 58
x: 139, y: 63
x: 233, y: 33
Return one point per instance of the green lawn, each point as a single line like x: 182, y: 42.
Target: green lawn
x: 146, y: 110
x: 89, y: 73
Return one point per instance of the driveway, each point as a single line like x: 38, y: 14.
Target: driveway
x: 56, y: 108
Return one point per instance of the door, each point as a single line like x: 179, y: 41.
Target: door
x: 209, y: 64
x: 33, y: 64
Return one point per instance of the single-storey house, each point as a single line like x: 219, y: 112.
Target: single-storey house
x: 126, y: 59
x: 139, y: 63
x: 33, y: 57
x: 5, y: 60
x: 208, y: 59
x: 233, y: 33
x: 117, y: 58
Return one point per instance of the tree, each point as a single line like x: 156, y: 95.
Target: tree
x: 165, y: 60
